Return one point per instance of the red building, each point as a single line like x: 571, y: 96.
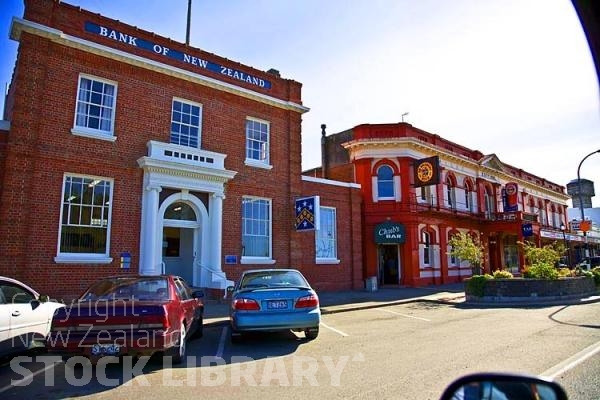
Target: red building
x: 125, y: 152
x: 419, y: 190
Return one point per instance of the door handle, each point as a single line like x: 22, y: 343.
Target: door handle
x: 16, y: 313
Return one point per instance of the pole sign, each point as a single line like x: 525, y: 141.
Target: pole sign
x: 527, y: 230
x: 307, y: 213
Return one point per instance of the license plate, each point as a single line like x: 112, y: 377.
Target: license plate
x: 105, y: 349
x: 277, y: 304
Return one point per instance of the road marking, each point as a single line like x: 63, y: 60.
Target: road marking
x: 572, y: 361
x: 404, y: 315
x: 221, y: 347
x: 334, y: 330
x: 28, y: 378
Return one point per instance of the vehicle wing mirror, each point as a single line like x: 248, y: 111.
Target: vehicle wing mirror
x: 198, y: 294
x: 503, y: 386
x: 230, y: 289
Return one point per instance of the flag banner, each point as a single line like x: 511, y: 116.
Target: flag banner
x: 427, y: 171
x: 510, y: 197
x: 307, y: 213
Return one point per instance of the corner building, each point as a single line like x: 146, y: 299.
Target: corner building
x: 124, y: 152
x: 407, y: 227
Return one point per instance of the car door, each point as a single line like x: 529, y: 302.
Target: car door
x: 188, y: 303
x: 25, y: 316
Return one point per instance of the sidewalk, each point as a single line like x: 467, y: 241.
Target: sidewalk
x: 216, y: 312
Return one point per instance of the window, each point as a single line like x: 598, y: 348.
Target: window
x: 426, y: 238
x: 489, y: 206
x: 257, y: 142
x: 326, y: 235
x: 468, y: 196
x: 450, y: 192
x: 385, y: 182
x: 95, y: 112
x: 256, y: 227
x: 85, y: 217
x: 185, y: 123
x: 453, y: 259
x: 15, y: 294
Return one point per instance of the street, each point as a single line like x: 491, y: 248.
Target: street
x: 408, y: 351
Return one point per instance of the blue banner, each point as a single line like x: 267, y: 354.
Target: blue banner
x: 175, y: 55
x: 307, y: 211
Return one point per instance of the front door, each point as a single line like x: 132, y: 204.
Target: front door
x: 389, y: 267
x: 178, y: 252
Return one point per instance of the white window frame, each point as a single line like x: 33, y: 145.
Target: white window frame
x: 258, y: 259
x: 96, y: 133
x: 451, y: 193
x: 189, y: 125
x: 331, y: 242
x: 258, y: 163
x: 391, y: 181
x: 87, y: 258
x: 489, y: 204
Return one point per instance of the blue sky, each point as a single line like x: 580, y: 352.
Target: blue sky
x: 510, y: 77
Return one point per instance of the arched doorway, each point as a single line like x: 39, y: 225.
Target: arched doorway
x: 180, y: 238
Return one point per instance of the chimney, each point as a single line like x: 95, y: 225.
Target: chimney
x: 324, y: 158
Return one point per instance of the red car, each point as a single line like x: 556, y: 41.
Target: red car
x: 132, y: 315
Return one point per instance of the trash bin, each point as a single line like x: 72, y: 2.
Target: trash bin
x: 371, y: 284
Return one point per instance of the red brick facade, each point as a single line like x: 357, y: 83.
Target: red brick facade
x: 41, y: 148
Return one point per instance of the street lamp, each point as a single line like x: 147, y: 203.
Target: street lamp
x: 581, y: 199
x: 563, y: 229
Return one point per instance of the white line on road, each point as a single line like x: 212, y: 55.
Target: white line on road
x: 222, y: 342
x: 572, y: 362
x: 404, y: 315
x: 333, y: 329
x: 24, y: 381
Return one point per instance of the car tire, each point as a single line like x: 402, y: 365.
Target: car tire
x: 311, y: 333
x: 199, y: 331
x: 177, y: 353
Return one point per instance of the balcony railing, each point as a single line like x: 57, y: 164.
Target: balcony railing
x: 185, y: 155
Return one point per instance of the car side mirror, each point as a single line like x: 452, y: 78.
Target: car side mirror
x: 230, y: 289
x: 35, y: 304
x: 198, y: 294
x: 43, y: 298
x: 503, y: 386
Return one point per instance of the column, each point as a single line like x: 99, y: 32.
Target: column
x: 150, y: 257
x: 216, y: 229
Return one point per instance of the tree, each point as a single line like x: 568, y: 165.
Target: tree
x: 468, y: 249
x: 548, y: 254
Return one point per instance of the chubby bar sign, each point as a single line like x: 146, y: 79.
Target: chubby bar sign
x: 389, y: 232
x: 175, y: 55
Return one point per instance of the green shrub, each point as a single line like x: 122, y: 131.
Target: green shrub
x: 564, y: 272
x: 596, y: 273
x: 501, y: 274
x: 541, y: 271
x: 476, y: 284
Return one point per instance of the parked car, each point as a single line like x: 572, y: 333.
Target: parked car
x: 589, y: 263
x: 25, y: 317
x: 272, y: 300
x: 133, y: 315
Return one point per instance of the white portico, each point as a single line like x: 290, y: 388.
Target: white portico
x: 191, y: 207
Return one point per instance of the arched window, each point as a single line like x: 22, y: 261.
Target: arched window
x: 426, y: 239
x: 531, y: 205
x: 542, y: 213
x: 385, y: 182
x: 468, y: 195
x: 450, y: 192
x: 489, y: 203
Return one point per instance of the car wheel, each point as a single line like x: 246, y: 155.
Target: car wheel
x: 199, y: 332
x: 178, y: 352
x: 311, y: 333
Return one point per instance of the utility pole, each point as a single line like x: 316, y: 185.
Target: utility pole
x: 189, y: 22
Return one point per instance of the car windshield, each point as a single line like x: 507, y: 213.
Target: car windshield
x: 128, y: 289
x: 267, y: 279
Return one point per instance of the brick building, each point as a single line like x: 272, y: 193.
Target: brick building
x: 407, y: 225
x: 125, y: 152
